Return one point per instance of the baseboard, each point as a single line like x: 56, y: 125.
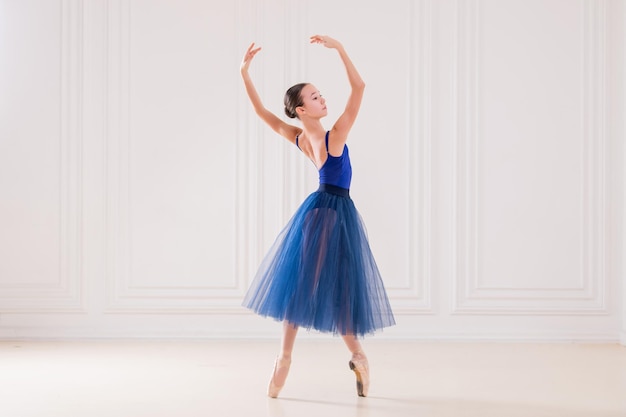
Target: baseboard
x: 273, y: 333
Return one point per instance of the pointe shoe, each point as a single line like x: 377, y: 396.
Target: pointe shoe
x: 361, y: 368
x: 280, y: 364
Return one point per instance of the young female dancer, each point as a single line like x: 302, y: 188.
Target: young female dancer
x: 320, y: 273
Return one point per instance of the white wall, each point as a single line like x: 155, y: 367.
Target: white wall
x: 139, y: 191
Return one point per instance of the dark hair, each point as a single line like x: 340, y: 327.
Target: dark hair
x: 293, y: 99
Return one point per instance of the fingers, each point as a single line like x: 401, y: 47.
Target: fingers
x: 250, y: 49
x: 251, y: 52
x: 254, y: 51
x: 327, y: 41
x: 318, y: 39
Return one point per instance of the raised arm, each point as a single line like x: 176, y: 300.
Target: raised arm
x: 288, y: 131
x: 346, y: 120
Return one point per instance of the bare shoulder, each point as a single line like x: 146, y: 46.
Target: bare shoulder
x: 291, y: 132
x: 288, y: 131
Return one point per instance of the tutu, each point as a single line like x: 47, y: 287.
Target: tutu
x: 320, y: 272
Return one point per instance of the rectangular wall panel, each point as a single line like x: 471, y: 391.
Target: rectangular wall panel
x: 530, y: 158
x: 171, y: 156
x: 40, y: 145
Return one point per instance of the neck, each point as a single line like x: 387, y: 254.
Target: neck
x: 312, y: 127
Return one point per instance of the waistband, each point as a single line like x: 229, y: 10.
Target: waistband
x: 333, y: 189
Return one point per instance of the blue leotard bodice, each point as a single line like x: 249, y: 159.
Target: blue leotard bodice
x: 337, y: 170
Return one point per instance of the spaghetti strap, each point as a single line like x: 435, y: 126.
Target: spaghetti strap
x: 297, y: 144
x: 327, y: 132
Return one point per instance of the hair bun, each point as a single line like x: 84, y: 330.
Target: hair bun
x: 293, y: 100
x: 290, y: 114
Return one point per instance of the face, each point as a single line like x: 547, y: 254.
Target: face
x: 314, y: 105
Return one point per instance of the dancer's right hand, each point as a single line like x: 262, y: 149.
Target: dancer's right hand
x: 247, y: 58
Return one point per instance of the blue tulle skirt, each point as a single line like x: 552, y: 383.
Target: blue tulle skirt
x: 320, y: 272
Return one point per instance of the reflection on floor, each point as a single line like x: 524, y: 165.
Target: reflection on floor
x: 229, y: 378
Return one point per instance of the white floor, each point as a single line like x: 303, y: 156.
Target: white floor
x: 229, y: 378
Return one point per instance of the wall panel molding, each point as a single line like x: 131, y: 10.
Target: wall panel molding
x: 416, y: 297
x: 470, y: 294
x: 66, y: 295
x: 294, y: 168
x: 122, y: 296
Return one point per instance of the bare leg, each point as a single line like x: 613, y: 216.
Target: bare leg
x: 353, y: 344
x: 290, y: 331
